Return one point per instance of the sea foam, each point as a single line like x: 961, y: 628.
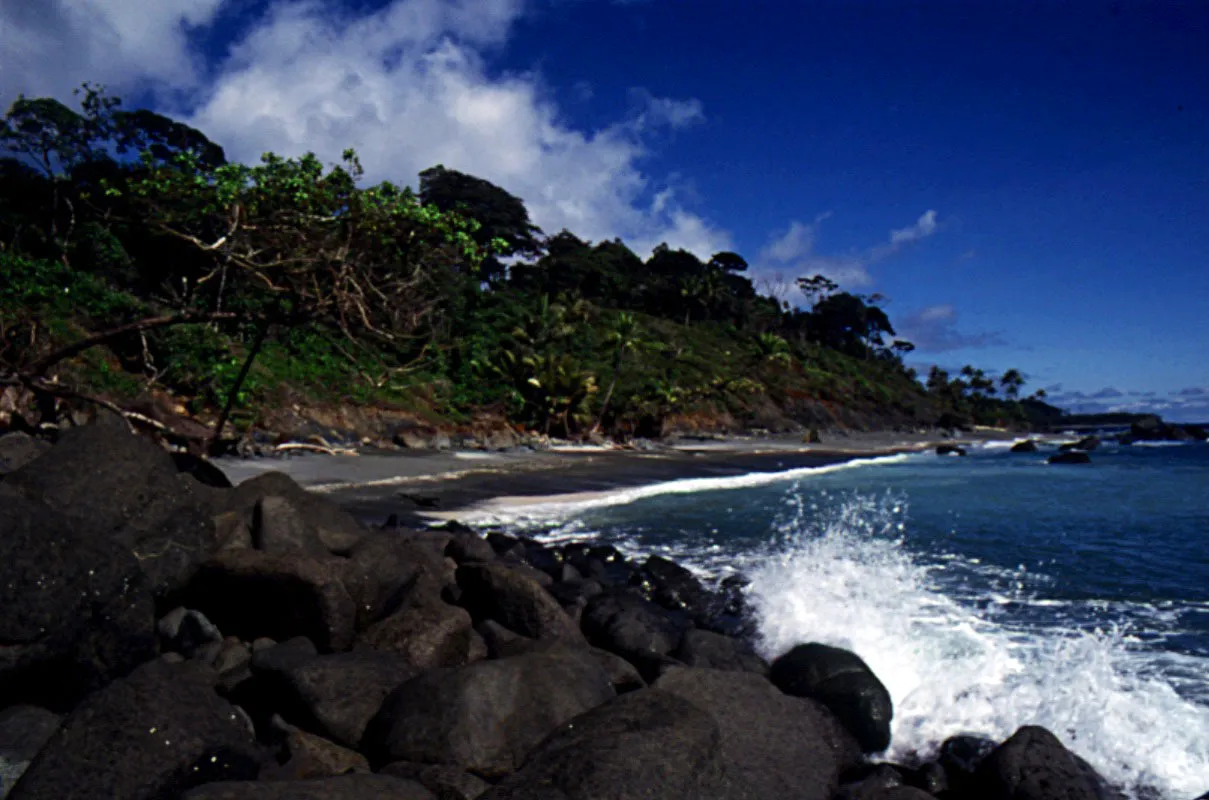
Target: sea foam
x: 840, y: 574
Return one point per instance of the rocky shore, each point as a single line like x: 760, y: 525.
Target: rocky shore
x: 167, y: 635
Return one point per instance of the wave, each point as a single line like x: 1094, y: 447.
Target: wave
x: 840, y: 574
x: 528, y: 512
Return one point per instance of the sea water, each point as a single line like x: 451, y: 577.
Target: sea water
x: 987, y: 592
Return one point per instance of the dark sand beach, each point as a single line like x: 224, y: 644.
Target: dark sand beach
x: 424, y: 487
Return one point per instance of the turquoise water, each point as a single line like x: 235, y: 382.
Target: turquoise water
x: 987, y: 592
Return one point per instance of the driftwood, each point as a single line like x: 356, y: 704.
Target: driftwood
x: 316, y: 448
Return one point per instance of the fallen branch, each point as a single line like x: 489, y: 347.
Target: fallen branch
x: 39, y: 367
x: 316, y: 448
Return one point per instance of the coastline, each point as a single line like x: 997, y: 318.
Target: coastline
x: 426, y: 488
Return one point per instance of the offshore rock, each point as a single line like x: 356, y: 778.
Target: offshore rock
x: 843, y: 682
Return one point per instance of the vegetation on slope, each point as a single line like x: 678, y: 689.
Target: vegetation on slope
x: 137, y: 261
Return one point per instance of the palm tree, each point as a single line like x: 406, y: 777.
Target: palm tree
x: 625, y: 335
x: 1011, y: 381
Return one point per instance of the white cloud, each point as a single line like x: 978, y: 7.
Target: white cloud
x: 934, y: 329
x: 52, y: 46
x: 406, y: 84
x: 924, y: 226
x: 794, y: 252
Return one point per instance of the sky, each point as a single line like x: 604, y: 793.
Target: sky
x: 1026, y: 184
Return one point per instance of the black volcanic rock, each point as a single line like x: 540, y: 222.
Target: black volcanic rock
x: 1070, y: 457
x: 485, y: 717
x: 154, y: 734
x: 843, y: 682
x: 124, y: 487
x: 77, y: 612
x: 515, y: 600
x: 949, y: 449
x: 333, y: 695
x: 1034, y: 765
x: 1027, y: 446
x: 624, y: 623
x: 645, y: 744
x: 251, y: 594
x: 343, y: 787
x: 773, y: 745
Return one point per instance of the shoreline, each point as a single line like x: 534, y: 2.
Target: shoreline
x: 423, y: 489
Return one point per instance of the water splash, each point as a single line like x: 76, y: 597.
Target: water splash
x: 838, y: 573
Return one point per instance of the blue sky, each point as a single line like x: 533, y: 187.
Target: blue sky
x: 1027, y: 184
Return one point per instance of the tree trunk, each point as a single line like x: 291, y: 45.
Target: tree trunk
x: 604, y: 406
x: 261, y: 333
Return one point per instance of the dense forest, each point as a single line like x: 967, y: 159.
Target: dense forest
x: 139, y: 262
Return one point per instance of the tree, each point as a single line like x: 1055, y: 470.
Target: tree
x: 816, y: 287
x: 1011, y: 382
x: 846, y: 323
x: 502, y: 217
x: 624, y: 336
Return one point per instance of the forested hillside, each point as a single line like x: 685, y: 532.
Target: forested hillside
x: 142, y: 269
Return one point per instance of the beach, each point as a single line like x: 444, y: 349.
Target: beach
x: 422, y: 487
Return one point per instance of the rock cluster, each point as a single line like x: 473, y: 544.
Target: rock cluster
x: 165, y: 637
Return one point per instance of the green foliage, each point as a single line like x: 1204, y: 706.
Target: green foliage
x: 374, y: 294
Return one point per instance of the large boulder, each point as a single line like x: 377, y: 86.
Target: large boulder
x: 645, y: 744
x: 279, y: 526
x: 24, y: 730
x: 714, y: 651
x: 76, y: 610
x: 773, y: 745
x: 403, y: 569
x: 485, y: 717
x: 154, y: 734
x: 344, y: 787
x: 1034, y: 765
x: 843, y: 682
x: 1027, y: 446
x: 338, y: 530
x: 18, y: 449
x: 426, y: 634
x: 334, y: 695
x: 250, y: 594
x: 515, y: 600
x: 624, y: 623
x: 447, y: 783
x: 304, y: 755
x: 124, y: 487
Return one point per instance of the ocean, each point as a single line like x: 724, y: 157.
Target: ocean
x: 987, y: 592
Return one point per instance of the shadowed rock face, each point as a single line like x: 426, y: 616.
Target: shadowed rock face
x: 487, y: 716
x: 344, y: 787
x: 77, y: 612
x: 281, y: 595
x: 1034, y: 765
x: 156, y: 733
x: 645, y: 744
x: 123, y: 487
x: 773, y: 745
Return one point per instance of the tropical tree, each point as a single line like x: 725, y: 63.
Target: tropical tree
x: 1011, y: 381
x: 625, y: 336
x: 504, y: 224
